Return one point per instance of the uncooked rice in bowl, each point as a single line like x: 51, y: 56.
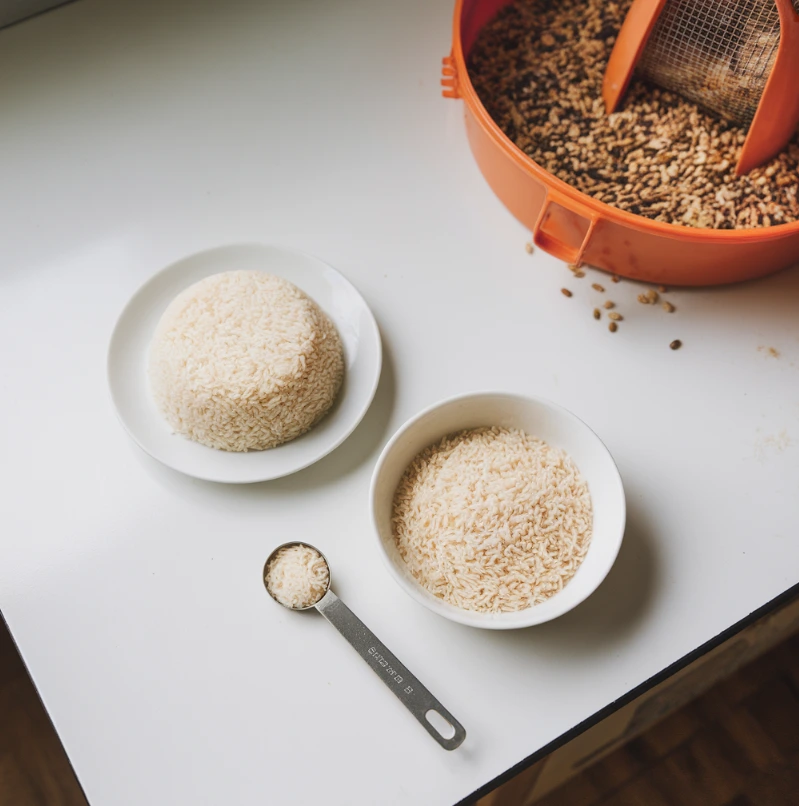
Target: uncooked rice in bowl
x: 244, y: 361
x: 492, y: 519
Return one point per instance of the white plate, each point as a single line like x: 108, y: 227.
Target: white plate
x: 540, y: 418
x: 130, y: 343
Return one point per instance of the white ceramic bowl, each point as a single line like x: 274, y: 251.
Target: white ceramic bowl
x: 539, y: 418
x: 130, y: 344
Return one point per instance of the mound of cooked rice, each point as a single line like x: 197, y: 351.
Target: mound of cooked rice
x: 492, y: 519
x: 244, y: 361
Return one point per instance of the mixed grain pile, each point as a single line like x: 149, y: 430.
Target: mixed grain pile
x: 297, y: 576
x: 492, y: 519
x: 538, y: 69
x: 244, y: 361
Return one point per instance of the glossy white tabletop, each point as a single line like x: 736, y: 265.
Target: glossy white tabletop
x: 136, y: 132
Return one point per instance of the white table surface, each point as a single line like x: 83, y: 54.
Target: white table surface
x: 133, y: 133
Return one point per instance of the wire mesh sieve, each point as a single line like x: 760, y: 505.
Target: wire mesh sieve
x: 716, y: 53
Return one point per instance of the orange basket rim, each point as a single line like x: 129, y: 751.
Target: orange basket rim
x: 603, y: 210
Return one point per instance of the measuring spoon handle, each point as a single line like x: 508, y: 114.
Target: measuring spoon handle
x: 416, y: 698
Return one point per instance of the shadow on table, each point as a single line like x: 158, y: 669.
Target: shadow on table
x: 774, y: 298
x: 620, y: 603
x: 361, y: 446
x: 613, y: 612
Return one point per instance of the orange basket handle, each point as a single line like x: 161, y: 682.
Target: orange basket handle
x: 570, y: 251
x: 449, y: 78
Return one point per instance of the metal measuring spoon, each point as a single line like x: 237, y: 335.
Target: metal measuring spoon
x: 414, y: 696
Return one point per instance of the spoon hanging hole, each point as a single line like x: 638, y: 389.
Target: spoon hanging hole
x: 440, y: 723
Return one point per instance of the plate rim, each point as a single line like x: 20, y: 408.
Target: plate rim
x: 260, y: 477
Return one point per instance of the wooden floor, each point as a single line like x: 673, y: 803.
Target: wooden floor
x: 737, y: 745
x: 34, y: 770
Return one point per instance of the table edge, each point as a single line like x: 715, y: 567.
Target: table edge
x: 632, y: 694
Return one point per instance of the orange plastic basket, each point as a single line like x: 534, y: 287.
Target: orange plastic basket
x: 577, y: 228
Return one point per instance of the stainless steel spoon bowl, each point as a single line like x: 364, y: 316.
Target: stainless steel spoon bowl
x: 444, y: 728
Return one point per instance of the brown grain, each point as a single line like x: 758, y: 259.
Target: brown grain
x: 598, y: 287
x: 565, y: 292
x: 676, y: 344
x: 613, y: 327
x: 658, y: 156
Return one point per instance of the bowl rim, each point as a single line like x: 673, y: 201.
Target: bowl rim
x: 493, y: 621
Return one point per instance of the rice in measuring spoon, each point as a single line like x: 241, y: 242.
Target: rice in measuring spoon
x: 492, y: 519
x: 297, y: 576
x: 244, y: 361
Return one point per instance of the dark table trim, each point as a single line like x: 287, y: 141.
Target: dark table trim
x: 627, y: 698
